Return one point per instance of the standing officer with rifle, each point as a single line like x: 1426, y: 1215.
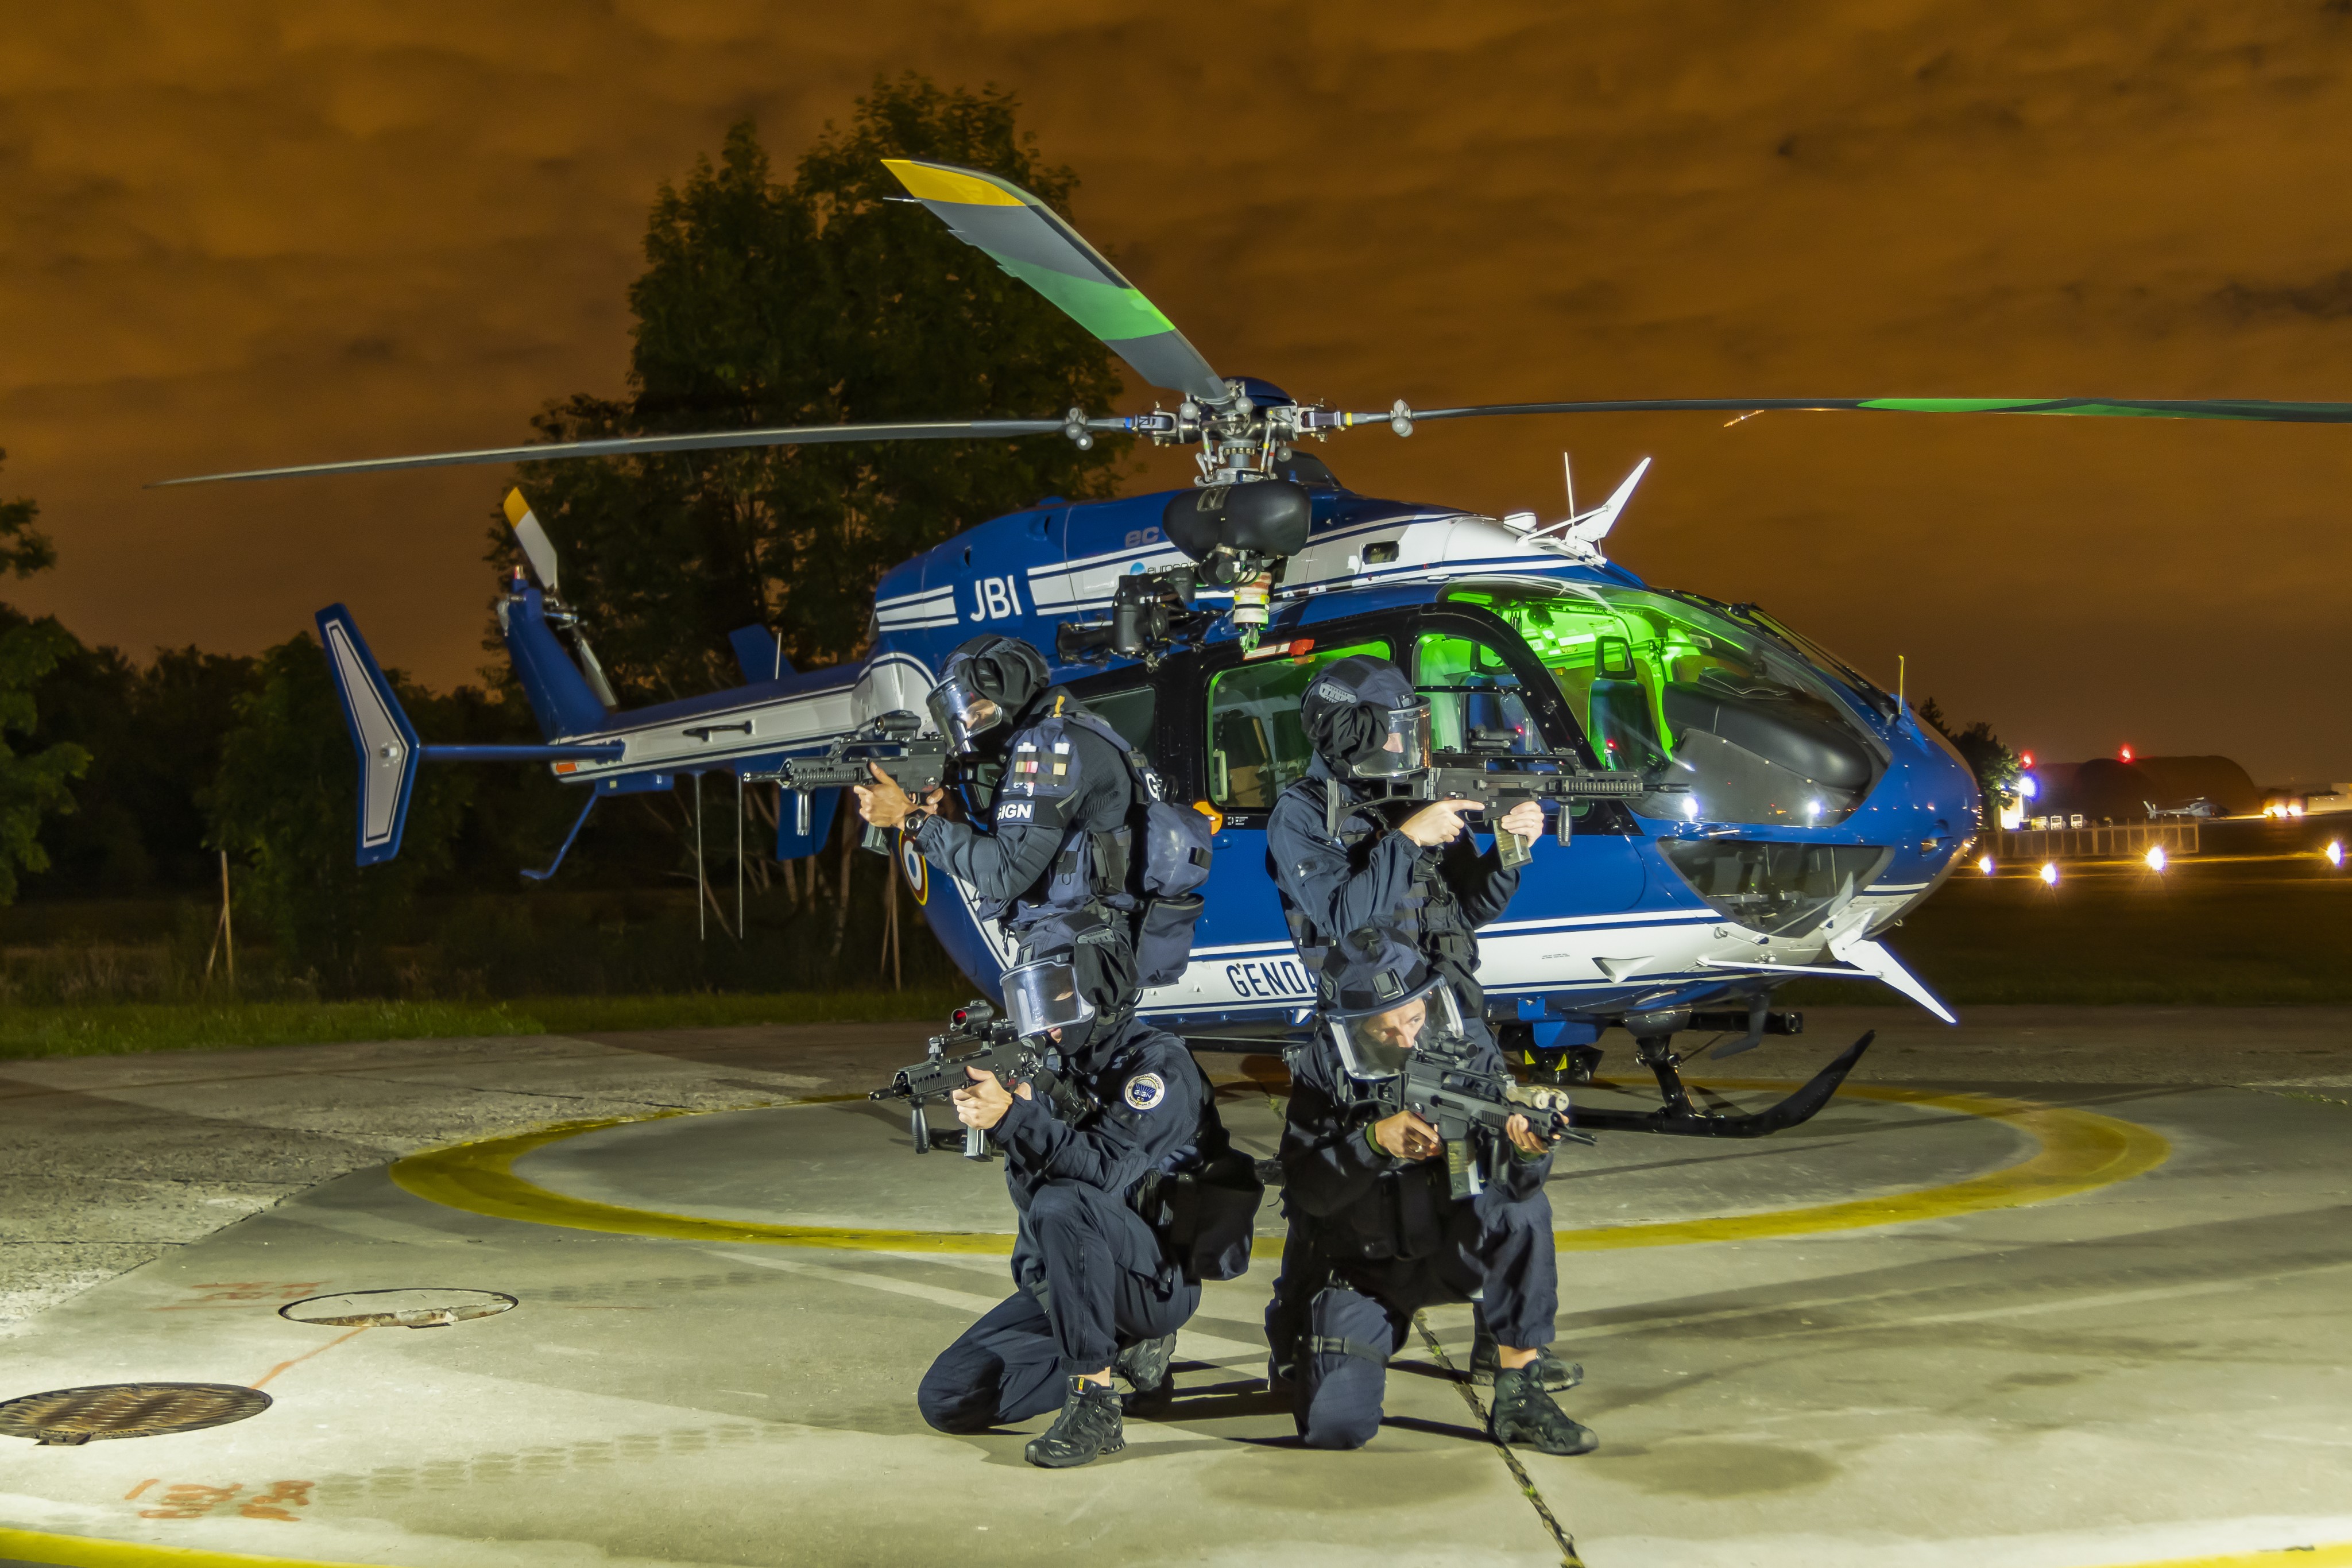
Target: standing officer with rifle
x: 1383, y: 898
x: 1052, y: 868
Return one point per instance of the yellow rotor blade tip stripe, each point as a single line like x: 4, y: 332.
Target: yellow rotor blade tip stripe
x: 517, y: 509
x: 929, y: 182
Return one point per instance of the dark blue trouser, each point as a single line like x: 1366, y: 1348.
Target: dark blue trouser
x: 1492, y: 1244
x: 1015, y: 1362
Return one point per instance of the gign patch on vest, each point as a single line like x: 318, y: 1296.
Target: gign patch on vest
x: 1144, y: 1091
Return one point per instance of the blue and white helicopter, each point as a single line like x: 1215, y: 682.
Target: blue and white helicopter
x: 1810, y: 810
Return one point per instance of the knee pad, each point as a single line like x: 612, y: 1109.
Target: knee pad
x: 1343, y: 1369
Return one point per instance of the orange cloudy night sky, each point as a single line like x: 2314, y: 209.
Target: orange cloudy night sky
x: 247, y: 232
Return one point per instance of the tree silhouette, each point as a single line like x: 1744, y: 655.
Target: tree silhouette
x: 810, y: 303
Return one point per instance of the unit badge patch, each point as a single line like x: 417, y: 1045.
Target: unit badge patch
x: 1144, y: 1091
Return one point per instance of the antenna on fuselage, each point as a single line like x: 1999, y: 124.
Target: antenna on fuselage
x: 1567, y: 472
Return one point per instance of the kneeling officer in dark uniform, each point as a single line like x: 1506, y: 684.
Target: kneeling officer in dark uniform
x: 1377, y: 1232
x: 1362, y: 875
x: 1100, y: 1291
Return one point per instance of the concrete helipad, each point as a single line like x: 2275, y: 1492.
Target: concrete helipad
x: 2039, y: 1323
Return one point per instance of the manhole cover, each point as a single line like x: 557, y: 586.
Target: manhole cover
x: 69, y: 1415
x: 421, y: 1308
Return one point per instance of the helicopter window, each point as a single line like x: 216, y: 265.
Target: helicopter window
x: 1257, y: 748
x: 1476, y: 702
x: 1669, y: 685
x: 1128, y: 712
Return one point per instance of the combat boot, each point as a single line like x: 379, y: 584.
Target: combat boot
x: 1088, y: 1428
x: 1145, y: 1367
x: 1524, y: 1415
x: 1487, y: 1359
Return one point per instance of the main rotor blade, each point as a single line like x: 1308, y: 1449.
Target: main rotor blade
x: 709, y: 440
x: 1030, y: 241
x: 2092, y: 407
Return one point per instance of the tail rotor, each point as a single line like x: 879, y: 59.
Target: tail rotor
x: 539, y: 552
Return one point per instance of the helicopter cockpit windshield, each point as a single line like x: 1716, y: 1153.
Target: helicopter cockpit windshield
x: 1667, y: 684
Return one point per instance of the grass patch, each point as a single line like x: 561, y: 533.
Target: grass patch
x: 112, y: 1029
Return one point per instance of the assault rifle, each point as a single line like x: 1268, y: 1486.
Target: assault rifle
x: 994, y: 1048
x: 1470, y: 1106
x: 1465, y: 776
x: 890, y: 742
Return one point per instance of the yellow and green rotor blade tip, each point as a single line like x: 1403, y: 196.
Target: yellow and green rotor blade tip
x: 1027, y: 239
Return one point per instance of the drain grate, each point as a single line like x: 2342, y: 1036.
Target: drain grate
x: 416, y: 1308
x: 65, y: 1417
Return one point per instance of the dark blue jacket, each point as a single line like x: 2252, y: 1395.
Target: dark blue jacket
x: 1371, y: 877
x: 1059, y: 822
x: 1155, y: 1113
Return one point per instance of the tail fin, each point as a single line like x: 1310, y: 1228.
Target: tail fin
x: 387, y: 742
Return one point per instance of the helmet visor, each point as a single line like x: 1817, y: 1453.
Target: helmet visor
x: 1042, y: 996
x: 1373, y: 1046
x: 1403, y: 748
x: 962, y: 713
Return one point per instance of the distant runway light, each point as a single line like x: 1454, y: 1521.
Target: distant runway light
x: 2048, y: 874
x: 2155, y: 857
x: 1984, y: 865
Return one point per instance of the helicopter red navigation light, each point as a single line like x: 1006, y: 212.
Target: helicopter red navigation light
x: 2125, y: 754
x: 2025, y: 759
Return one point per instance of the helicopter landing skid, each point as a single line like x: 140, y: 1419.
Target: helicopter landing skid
x: 1679, y: 1118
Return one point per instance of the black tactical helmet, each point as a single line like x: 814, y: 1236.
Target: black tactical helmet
x: 1366, y: 720
x: 985, y: 681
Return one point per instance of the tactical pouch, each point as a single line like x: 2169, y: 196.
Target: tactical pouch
x: 1206, y: 1217
x: 1163, y: 937
x: 1343, y: 1369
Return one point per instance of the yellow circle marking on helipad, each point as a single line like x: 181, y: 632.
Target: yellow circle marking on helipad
x: 90, y: 1552
x: 479, y: 1178
x: 2078, y: 1150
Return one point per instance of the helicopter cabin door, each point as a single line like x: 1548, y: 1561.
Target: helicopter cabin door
x: 1233, y: 736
